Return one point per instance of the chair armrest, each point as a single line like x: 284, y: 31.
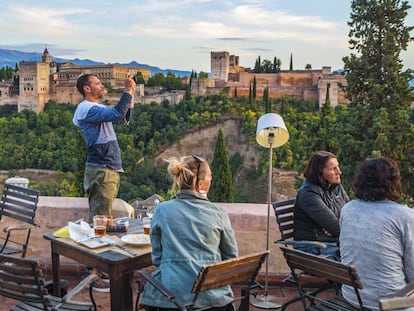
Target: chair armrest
x: 396, y: 303
x: 400, y: 299
x: 82, y: 284
x: 17, y: 227
x: 163, y: 290
x: 317, y: 244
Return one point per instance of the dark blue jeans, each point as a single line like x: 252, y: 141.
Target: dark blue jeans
x: 331, y: 251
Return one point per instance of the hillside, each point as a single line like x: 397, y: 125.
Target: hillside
x: 202, y: 142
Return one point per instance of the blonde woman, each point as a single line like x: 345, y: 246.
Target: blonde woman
x: 188, y: 232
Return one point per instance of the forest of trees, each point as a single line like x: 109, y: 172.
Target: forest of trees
x: 50, y: 141
x: 377, y: 122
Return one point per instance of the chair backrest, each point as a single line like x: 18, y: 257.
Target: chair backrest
x: 22, y: 279
x: 284, y: 218
x: 241, y: 270
x: 321, y: 266
x: 19, y: 203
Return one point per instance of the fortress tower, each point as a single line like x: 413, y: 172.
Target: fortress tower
x: 34, y: 84
x: 220, y: 63
x: 46, y: 56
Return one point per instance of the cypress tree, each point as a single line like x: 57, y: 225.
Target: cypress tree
x: 266, y: 100
x: 291, y: 63
x: 377, y: 87
x: 254, y: 88
x: 221, y: 189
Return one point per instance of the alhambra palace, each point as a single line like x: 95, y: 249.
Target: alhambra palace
x: 41, y: 81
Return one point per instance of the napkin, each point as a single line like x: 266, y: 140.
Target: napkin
x: 80, y: 231
x: 62, y: 232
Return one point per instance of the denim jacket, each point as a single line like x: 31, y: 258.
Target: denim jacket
x: 188, y: 232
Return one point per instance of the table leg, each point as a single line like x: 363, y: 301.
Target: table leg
x: 121, y: 292
x: 56, y: 273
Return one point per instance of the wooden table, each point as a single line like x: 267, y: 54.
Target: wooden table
x: 111, y: 260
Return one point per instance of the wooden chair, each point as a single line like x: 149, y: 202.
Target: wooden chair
x: 334, y: 271
x: 19, y: 204
x: 400, y: 300
x: 285, y: 220
x: 22, y: 279
x: 241, y: 271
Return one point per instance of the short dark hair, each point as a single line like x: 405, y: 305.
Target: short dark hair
x: 378, y: 179
x: 82, y: 81
x: 315, y: 166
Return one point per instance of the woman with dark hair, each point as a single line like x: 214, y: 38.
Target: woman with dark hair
x: 188, y: 232
x: 318, y: 204
x: 377, y: 234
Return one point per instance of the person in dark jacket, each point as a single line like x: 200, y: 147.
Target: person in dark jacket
x: 319, y: 203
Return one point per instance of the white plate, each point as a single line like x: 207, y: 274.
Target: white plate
x: 136, y: 239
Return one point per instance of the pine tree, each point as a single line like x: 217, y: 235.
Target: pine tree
x: 221, y: 189
x: 377, y: 86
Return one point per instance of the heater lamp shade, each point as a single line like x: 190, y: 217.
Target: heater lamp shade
x: 268, y: 124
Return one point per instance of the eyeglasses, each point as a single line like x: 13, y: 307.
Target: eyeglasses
x: 198, y: 160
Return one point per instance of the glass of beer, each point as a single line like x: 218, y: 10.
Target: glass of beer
x: 146, y: 221
x: 99, y: 224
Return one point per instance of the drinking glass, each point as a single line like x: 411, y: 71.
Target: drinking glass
x: 146, y: 221
x: 99, y: 224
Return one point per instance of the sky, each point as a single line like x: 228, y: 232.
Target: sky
x: 180, y: 34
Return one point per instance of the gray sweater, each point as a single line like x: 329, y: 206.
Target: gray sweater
x: 378, y: 239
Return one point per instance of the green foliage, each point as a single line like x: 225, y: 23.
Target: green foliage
x: 138, y: 78
x: 221, y: 189
x: 254, y: 88
x: 266, y: 66
x: 377, y: 86
x: 50, y: 141
x: 203, y: 75
x: 266, y: 100
x: 6, y: 73
x: 7, y: 110
x: 167, y: 83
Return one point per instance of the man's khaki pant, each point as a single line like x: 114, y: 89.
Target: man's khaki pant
x: 101, y: 185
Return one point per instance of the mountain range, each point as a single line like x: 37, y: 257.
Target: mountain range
x: 12, y: 57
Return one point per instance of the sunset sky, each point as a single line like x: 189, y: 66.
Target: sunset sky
x: 180, y: 34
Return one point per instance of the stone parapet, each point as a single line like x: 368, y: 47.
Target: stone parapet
x: 248, y: 220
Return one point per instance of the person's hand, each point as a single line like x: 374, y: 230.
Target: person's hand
x: 129, y: 84
x: 326, y: 232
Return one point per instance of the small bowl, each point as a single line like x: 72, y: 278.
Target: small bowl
x: 122, y: 225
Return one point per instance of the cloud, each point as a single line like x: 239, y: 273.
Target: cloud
x: 242, y: 23
x: 40, y: 21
